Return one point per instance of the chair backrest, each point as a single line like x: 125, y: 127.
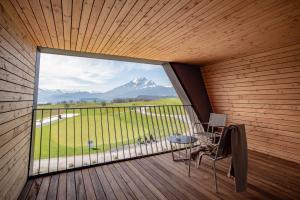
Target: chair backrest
x: 217, y: 119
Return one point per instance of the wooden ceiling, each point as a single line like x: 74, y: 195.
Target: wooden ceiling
x: 190, y: 31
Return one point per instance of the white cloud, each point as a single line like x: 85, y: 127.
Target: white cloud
x: 87, y: 74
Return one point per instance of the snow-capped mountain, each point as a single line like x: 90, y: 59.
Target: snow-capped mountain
x: 141, y: 83
x: 136, y: 88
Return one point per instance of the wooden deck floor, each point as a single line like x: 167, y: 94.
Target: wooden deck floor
x: 158, y: 177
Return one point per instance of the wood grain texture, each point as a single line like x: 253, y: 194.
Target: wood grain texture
x: 158, y: 177
x: 187, y: 31
x: 17, y: 70
x: 263, y: 92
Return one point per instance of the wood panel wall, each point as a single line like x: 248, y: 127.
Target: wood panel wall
x: 17, y: 71
x: 263, y: 92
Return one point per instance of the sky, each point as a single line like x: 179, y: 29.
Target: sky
x: 71, y: 73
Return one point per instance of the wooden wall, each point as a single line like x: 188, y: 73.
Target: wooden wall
x: 262, y: 91
x: 17, y: 70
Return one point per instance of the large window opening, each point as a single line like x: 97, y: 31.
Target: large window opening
x: 68, y: 81
x: 92, y: 111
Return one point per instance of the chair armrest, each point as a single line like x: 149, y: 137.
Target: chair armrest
x: 220, y: 128
x: 200, y: 123
x: 196, y: 123
x: 218, y: 133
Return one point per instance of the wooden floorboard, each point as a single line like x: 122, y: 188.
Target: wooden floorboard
x: 158, y: 177
x: 62, y: 187
x: 98, y: 189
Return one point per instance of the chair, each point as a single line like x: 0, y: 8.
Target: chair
x: 216, y: 121
x: 216, y: 152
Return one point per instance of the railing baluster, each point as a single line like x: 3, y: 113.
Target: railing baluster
x: 49, y: 150
x: 148, y: 127
x: 178, y: 119
x: 143, y: 128
x: 171, y: 115
x: 132, y: 129
x: 121, y: 132
x: 126, y: 128
x: 41, y: 135
x: 154, y: 132
x: 175, y: 120
x: 107, y: 122
x: 137, y: 124
x: 195, y: 119
x: 58, y: 117
x: 170, y: 118
x: 102, y: 134
x: 182, y: 120
x: 115, y: 131
x: 88, y: 129
x: 74, y: 135
x: 157, y: 123
x: 187, y: 120
x: 81, y: 137
x: 168, y: 130
x: 66, y: 138
x: 96, y: 133
x: 166, y: 119
x: 163, y: 127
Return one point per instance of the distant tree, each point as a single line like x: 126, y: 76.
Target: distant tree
x: 119, y: 100
x: 103, y: 103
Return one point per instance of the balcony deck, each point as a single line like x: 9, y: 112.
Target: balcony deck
x: 158, y: 177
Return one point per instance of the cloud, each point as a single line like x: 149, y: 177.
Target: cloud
x: 88, y: 74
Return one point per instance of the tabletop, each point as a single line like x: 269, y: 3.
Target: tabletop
x: 182, y: 139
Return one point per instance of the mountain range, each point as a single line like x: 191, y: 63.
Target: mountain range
x: 136, y: 88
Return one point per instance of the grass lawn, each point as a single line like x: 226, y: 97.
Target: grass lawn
x: 108, y: 128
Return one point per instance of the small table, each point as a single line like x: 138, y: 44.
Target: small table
x: 185, y: 140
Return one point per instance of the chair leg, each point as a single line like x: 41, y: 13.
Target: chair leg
x: 199, y: 160
x: 215, y: 176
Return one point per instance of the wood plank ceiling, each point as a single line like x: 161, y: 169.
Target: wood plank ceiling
x: 190, y: 31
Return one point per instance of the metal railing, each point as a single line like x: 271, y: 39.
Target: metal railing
x: 67, y: 138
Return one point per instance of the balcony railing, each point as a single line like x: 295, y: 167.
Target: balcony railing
x: 66, y: 138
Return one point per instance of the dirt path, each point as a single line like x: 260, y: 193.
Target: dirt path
x: 46, y: 121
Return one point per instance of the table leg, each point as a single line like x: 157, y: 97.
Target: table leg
x: 186, y: 147
x: 191, y: 146
x: 172, y: 151
x: 178, y: 150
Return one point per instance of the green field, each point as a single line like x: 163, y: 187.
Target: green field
x: 107, y: 127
